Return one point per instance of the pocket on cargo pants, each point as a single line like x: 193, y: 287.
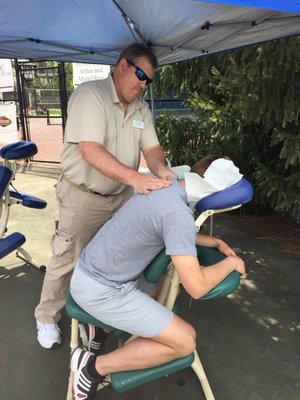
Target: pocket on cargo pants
x: 63, y: 246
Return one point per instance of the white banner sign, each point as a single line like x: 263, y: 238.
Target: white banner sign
x: 6, y: 76
x: 89, y: 72
x: 8, y: 124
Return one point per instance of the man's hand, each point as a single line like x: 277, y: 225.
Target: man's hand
x: 224, y: 248
x: 156, y: 162
x: 237, y: 264
x: 165, y: 173
x: 144, y: 184
x: 99, y: 158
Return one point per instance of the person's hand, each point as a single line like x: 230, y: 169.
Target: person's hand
x: 237, y: 264
x: 144, y: 184
x: 224, y: 248
x: 167, y: 174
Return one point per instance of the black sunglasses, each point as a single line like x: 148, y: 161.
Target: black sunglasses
x: 139, y: 73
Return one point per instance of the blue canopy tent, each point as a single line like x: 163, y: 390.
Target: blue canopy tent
x: 95, y: 31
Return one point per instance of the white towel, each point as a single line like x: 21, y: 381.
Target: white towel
x: 221, y: 174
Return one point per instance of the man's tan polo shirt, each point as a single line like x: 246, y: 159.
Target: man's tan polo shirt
x: 96, y: 114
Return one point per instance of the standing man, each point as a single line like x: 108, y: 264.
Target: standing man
x: 108, y: 126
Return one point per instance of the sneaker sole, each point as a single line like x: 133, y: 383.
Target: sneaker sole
x: 52, y: 347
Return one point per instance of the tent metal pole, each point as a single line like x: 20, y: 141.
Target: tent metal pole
x: 63, y: 93
x: 22, y: 111
x: 152, y: 104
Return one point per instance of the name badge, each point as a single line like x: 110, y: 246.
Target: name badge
x: 138, y: 124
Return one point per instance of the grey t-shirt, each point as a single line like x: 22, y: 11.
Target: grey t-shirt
x: 126, y: 244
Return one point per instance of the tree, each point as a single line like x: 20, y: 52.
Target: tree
x: 247, y: 102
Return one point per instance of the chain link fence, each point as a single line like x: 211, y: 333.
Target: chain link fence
x: 173, y: 107
x: 40, y: 109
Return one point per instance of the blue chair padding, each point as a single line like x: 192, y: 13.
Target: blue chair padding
x: 240, y: 193
x: 27, y: 199
x: 11, y: 243
x: 18, y: 150
x: 5, y: 176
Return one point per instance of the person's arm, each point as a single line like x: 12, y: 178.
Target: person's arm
x: 156, y: 162
x: 210, y: 241
x: 197, y: 280
x: 99, y: 158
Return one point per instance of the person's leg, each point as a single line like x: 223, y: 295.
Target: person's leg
x: 79, y: 220
x: 81, y: 214
x: 176, y: 341
x: 163, y: 336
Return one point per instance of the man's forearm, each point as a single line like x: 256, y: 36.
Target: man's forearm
x: 104, y: 162
x: 205, y: 240
x: 197, y: 280
x: 210, y: 241
x: 156, y: 162
x: 155, y: 159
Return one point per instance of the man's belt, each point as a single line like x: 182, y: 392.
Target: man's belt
x: 81, y: 187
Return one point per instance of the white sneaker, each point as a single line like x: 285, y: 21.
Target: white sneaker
x: 49, y: 335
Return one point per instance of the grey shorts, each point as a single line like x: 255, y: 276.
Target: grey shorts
x: 128, y: 308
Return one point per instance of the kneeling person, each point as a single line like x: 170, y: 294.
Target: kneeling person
x: 108, y: 283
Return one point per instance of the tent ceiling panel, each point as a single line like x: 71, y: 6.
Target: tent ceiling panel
x: 95, y: 31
